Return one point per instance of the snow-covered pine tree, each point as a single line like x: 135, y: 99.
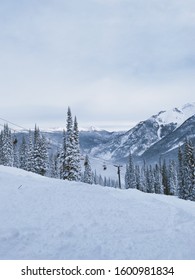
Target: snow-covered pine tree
x: 88, y: 176
x: 130, y: 179
x: 23, y: 154
x: 72, y: 167
x: 165, y: 181
x: 53, y: 166
x: 172, y: 178
x: 44, y: 156
x: 114, y: 183
x: 101, y: 181
x: 95, y: 178
x: 189, y: 171
x: 150, y: 180
x: 30, y: 153
x: 76, y: 151
x: 105, y: 181
x: 16, y: 162
x: 40, y: 155
x: 127, y: 179
x: 158, y: 180
x: 144, y: 177
x: 109, y: 182
x: 180, y: 174
x: 37, y: 161
x: 62, y: 157
x: 7, y: 154
x: 1, y: 144
x: 138, y: 178
x: 69, y: 172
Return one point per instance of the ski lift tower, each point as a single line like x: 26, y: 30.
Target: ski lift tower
x: 119, y: 174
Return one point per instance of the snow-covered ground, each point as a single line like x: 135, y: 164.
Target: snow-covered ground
x: 44, y: 218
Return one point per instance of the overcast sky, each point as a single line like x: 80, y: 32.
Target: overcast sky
x: 114, y: 62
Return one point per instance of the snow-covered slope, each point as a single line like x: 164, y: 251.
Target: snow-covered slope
x: 44, y: 218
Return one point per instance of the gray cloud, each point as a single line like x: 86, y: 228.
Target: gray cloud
x: 111, y: 60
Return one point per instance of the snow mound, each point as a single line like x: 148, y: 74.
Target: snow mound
x: 43, y: 218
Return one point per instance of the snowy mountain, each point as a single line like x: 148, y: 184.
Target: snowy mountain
x: 144, y: 135
x: 43, y: 218
x: 167, y: 147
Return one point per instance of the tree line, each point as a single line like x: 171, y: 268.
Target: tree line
x: 32, y: 154
x: 175, y: 177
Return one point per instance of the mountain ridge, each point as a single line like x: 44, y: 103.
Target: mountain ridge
x: 145, y: 134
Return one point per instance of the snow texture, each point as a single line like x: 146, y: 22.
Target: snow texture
x: 176, y: 115
x: 43, y: 218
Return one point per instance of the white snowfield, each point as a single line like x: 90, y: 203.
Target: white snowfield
x: 43, y: 218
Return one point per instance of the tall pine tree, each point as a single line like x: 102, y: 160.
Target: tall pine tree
x: 88, y: 175
x: 72, y: 168
x: 130, y: 178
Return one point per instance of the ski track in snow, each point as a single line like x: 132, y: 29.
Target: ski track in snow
x: 43, y: 218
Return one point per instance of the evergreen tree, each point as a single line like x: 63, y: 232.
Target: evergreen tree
x: 95, y: 178
x: 37, y: 161
x: 23, y: 154
x: 7, y: 153
x: 165, y: 178
x: 76, y: 152
x: 150, y: 180
x: 158, y: 180
x: 71, y: 154
x: 138, y: 178
x: 144, y: 177
x: 114, y: 183
x: 130, y: 178
x: 100, y: 181
x: 16, y: 161
x: 105, y: 181
x: 69, y: 167
x: 44, y: 156
x: 53, y: 165
x: 172, y: 178
x: 30, y: 153
x: 108, y: 182
x: 189, y: 171
x: 88, y: 177
x: 181, y: 183
x: 1, y: 145
x: 40, y: 155
x: 62, y: 158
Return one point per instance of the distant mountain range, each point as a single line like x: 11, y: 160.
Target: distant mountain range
x: 158, y: 136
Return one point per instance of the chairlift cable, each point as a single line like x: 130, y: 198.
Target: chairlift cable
x: 14, y: 124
